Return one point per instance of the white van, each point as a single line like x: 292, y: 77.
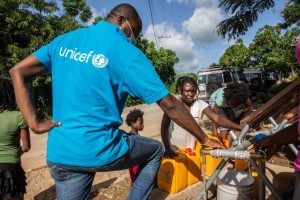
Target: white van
x: 209, y: 80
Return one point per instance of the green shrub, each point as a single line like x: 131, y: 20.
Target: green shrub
x: 275, y: 89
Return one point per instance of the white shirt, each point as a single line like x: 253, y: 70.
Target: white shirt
x: 179, y: 137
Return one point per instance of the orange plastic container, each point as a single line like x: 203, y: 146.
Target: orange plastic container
x: 225, y: 142
x: 193, y: 165
x: 241, y: 164
x: 211, y: 162
x: 172, y: 174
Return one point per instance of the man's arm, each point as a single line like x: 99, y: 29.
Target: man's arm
x: 165, y: 135
x: 216, y: 110
x: 273, y: 142
x: 220, y: 120
x: 176, y: 111
x: 21, y: 75
x: 246, y: 109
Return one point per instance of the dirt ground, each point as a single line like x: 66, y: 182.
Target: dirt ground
x: 115, y: 185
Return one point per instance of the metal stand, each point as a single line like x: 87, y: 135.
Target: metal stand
x: 238, y: 149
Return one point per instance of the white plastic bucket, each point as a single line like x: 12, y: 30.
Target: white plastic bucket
x: 234, y: 185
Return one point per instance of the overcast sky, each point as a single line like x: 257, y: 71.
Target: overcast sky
x: 187, y: 27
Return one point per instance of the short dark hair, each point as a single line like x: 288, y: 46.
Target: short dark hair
x: 7, y: 95
x: 133, y: 116
x: 236, y: 93
x: 182, y: 80
x: 126, y: 10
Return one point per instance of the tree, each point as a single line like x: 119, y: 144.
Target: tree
x: 274, y: 50
x: 27, y: 25
x: 162, y: 59
x: 76, y: 8
x: 291, y: 14
x: 242, y: 15
x: 236, y: 56
x: 214, y: 65
x: 172, y: 87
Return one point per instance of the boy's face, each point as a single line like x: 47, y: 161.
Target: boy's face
x: 138, y: 125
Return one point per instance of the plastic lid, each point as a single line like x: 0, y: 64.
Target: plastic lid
x: 259, y: 136
x: 192, y: 153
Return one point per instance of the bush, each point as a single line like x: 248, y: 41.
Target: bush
x: 275, y: 89
x: 131, y: 101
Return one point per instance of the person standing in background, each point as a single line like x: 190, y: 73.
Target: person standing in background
x: 13, y: 129
x: 135, y: 120
x: 224, y: 100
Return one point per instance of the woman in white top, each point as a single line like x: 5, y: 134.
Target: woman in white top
x: 173, y: 136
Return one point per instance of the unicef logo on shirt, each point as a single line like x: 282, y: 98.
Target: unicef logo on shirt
x: 99, y: 61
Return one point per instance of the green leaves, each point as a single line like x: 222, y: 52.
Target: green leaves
x: 243, y: 13
x: 162, y: 59
x: 291, y: 14
x: 26, y: 25
x: 76, y: 8
x: 236, y: 57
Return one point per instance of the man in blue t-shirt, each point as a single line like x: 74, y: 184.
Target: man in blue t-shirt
x: 93, y: 71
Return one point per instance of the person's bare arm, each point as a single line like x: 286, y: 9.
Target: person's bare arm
x: 176, y: 111
x: 246, y: 109
x: 273, y: 142
x: 214, y: 126
x: 21, y: 75
x: 220, y: 120
x: 25, y: 138
x: 165, y: 136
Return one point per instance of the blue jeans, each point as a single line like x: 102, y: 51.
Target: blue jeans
x: 73, y: 182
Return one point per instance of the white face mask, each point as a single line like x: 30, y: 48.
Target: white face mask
x: 131, y: 39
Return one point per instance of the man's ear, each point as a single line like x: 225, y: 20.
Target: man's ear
x: 121, y: 20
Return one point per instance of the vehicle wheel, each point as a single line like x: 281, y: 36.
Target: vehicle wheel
x: 256, y: 84
x: 212, y: 86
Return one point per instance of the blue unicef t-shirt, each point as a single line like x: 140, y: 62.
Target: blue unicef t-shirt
x: 93, y: 71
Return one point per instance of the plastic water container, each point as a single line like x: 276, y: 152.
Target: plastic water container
x: 172, y: 174
x: 211, y: 162
x: 234, y: 185
x: 226, y: 143
x: 241, y: 164
x: 193, y: 165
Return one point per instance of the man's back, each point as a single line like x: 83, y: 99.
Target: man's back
x: 87, y: 77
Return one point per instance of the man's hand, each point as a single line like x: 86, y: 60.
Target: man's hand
x: 45, y: 126
x: 269, y: 147
x: 169, y: 153
x: 216, y: 144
